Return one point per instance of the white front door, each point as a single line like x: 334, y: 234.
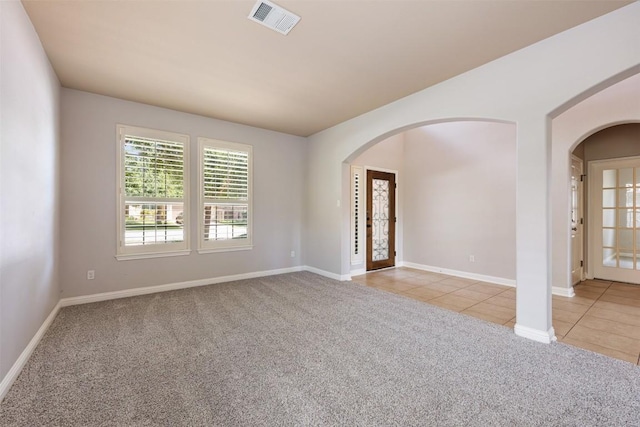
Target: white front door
x: 614, y: 217
x: 576, y: 221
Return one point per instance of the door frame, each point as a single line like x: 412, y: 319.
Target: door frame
x: 594, y: 210
x: 365, y: 200
x: 582, y: 205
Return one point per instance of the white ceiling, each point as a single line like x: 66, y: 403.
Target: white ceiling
x: 343, y: 59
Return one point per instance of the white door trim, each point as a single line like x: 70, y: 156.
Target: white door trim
x: 595, y: 168
x: 579, y: 223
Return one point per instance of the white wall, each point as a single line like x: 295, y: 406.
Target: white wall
x: 29, y: 142
x: 460, y: 197
x: 387, y: 155
x: 88, y: 202
x: 527, y: 87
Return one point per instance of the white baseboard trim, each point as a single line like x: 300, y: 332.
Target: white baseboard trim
x: 545, y: 337
x: 563, y: 292
x: 15, y: 370
x: 330, y: 275
x: 105, y: 296
x: 463, y: 274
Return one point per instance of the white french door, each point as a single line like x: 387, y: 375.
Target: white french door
x: 614, y: 249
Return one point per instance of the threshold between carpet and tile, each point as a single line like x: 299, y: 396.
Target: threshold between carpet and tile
x: 603, y: 316
x: 301, y: 349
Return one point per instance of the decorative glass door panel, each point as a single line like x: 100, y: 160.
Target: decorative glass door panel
x: 380, y: 219
x: 615, y: 190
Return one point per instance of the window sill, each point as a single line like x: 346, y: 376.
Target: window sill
x: 229, y: 249
x: 128, y: 257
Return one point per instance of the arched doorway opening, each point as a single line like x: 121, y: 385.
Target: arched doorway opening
x: 612, y: 202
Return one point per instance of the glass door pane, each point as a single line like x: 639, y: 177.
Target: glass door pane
x: 618, y: 184
x: 380, y: 219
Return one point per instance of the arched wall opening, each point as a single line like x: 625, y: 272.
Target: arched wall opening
x: 608, y: 143
x: 614, y: 105
x: 529, y: 87
x: 455, y: 197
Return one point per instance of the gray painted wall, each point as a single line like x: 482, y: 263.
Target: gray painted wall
x: 460, y: 197
x: 88, y: 199
x: 29, y: 147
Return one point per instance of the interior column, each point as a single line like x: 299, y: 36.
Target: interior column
x: 533, y: 230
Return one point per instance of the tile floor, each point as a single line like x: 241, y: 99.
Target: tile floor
x: 603, y: 317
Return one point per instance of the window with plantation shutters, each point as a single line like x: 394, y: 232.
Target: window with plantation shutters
x: 225, y: 195
x: 153, y: 193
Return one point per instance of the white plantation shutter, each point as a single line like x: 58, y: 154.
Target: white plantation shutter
x: 226, y: 174
x: 153, y: 168
x: 153, y: 193
x: 225, y: 195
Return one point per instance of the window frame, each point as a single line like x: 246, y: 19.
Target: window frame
x: 212, y: 246
x: 182, y: 248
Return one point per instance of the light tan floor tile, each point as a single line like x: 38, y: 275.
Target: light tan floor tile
x: 395, y: 286
x: 511, y: 323
x: 613, y: 327
x: 487, y: 288
x: 453, y: 302
x: 562, y: 328
x: 423, y: 294
x: 440, y: 287
x: 483, y: 316
x: 395, y: 273
x: 621, y: 300
x: 585, y: 293
x: 566, y: 316
x: 624, y: 287
x: 457, y: 282
x: 502, y: 313
x: 476, y: 296
x: 624, y: 293
x: 434, y: 276
x: 370, y: 279
x: 620, y: 308
x: 577, y: 300
x: 591, y: 287
x: 602, y: 350
x: 501, y: 301
x: 410, y: 270
x: 418, y: 280
x: 605, y: 339
x: 595, y: 283
x: 616, y: 316
x: 509, y: 293
x: 569, y: 306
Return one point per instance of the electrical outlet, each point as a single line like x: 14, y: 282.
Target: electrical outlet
x: 293, y: 254
x: 91, y: 274
x: 472, y: 258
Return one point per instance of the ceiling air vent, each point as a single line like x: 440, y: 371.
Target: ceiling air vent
x: 273, y: 16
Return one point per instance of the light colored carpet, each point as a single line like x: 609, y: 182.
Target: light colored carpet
x: 300, y: 349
